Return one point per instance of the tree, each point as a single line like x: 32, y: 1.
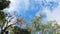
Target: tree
x: 6, y: 20
x: 5, y: 23
x: 51, y: 27
x: 9, y: 22
x: 36, y: 24
x: 2, y: 17
x: 18, y: 30
x: 4, y: 4
x: 21, y: 21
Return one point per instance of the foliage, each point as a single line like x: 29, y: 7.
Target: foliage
x: 2, y: 17
x: 4, y: 4
x: 51, y: 27
x: 18, y: 30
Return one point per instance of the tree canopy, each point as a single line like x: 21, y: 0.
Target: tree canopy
x: 4, y: 4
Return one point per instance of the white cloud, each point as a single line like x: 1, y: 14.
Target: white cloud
x: 12, y: 7
x: 26, y: 2
x: 54, y: 15
x: 18, y: 5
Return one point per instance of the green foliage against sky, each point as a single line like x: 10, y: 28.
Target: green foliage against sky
x: 3, y: 4
x: 51, y: 26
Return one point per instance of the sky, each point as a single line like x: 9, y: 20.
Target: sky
x: 31, y: 8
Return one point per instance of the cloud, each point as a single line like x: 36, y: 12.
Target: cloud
x: 55, y: 15
x: 18, y: 7
x: 13, y: 5
x: 26, y: 7
x: 51, y: 15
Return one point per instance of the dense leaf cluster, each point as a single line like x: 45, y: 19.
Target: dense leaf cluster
x: 18, y: 30
x: 2, y: 15
x: 4, y: 4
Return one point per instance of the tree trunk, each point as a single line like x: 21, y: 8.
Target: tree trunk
x: 2, y: 32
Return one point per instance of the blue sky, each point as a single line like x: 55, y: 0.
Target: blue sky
x: 32, y: 8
